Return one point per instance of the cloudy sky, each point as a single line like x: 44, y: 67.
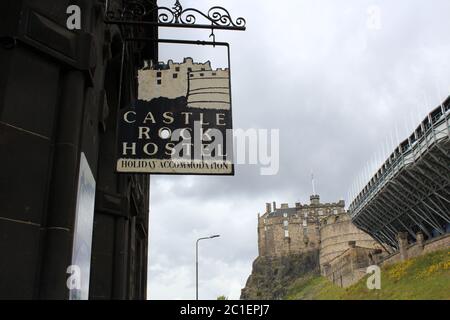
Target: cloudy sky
x: 340, y: 79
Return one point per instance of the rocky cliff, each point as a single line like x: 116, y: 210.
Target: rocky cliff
x: 271, y: 276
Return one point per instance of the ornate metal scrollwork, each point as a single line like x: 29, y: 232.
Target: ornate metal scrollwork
x: 136, y: 11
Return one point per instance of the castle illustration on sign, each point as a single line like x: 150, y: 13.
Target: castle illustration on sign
x: 203, y: 87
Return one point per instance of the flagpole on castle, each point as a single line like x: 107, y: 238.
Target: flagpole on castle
x: 313, y: 183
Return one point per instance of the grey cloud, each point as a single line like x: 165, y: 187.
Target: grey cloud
x: 333, y: 87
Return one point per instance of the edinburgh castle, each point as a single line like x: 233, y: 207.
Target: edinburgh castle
x: 304, y: 239
x: 284, y: 230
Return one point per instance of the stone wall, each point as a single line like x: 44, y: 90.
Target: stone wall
x: 351, y: 265
x: 336, y: 232
x: 421, y: 247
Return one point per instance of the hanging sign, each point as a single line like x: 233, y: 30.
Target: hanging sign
x: 181, y: 124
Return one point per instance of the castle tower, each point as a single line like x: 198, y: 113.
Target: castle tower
x: 315, y: 200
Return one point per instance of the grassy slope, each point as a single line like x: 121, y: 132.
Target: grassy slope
x: 426, y: 277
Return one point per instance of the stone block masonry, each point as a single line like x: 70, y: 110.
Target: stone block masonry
x: 336, y: 232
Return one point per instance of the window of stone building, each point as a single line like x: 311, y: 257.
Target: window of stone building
x: 175, y: 75
x: 335, y: 211
x: 286, y: 223
x: 159, y: 74
x: 305, y: 223
x: 286, y: 233
x: 320, y: 213
x: 265, y: 221
x: 306, y: 215
x: 159, y: 82
x: 177, y: 69
x: 189, y: 69
x: 265, y: 228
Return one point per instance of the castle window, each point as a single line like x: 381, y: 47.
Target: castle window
x: 192, y: 75
x: 158, y: 82
x: 286, y: 233
x: 189, y: 69
x: 177, y: 69
x: 175, y: 75
x: 305, y: 223
x: 203, y: 69
x: 159, y: 74
x: 286, y: 223
x: 214, y: 74
x: 320, y: 213
x: 306, y: 215
x: 265, y: 228
x: 202, y: 74
x: 335, y: 211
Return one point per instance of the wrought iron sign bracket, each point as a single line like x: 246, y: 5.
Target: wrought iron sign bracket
x: 147, y: 13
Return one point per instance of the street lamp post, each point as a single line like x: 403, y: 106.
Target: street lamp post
x: 196, y: 261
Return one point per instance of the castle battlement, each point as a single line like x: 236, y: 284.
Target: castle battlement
x: 343, y: 217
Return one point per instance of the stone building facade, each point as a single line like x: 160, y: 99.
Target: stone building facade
x: 284, y: 230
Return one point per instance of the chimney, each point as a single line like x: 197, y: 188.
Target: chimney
x: 268, y: 208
